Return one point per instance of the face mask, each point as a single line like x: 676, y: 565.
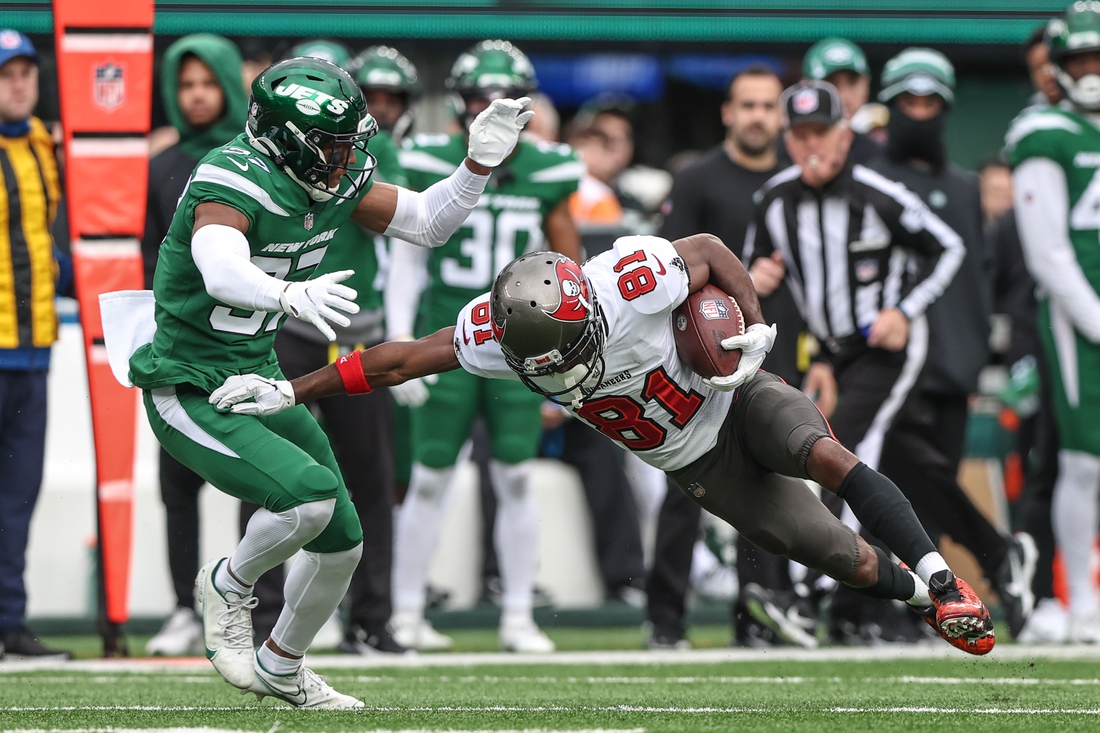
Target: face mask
x: 920, y: 139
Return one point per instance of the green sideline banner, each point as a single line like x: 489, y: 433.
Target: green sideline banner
x: 868, y: 21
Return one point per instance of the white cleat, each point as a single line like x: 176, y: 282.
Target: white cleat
x: 303, y: 689
x: 1047, y: 624
x: 181, y: 636
x: 523, y: 635
x: 227, y: 628
x: 413, y: 631
x: 1084, y: 628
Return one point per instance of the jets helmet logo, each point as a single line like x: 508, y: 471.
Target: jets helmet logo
x: 574, y: 304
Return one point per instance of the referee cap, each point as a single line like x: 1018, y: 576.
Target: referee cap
x: 811, y: 101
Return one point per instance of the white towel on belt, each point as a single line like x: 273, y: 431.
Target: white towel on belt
x: 128, y: 324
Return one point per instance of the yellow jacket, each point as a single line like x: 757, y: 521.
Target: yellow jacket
x: 29, y: 192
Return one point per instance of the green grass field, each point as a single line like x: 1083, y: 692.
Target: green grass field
x: 926, y: 689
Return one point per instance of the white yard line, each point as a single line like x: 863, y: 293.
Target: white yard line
x: 218, y: 730
x: 546, y: 680
x: 561, y: 709
x: 1006, y: 652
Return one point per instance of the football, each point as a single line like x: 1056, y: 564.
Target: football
x: 700, y: 324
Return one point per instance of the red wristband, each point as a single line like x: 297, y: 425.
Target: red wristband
x: 350, y: 367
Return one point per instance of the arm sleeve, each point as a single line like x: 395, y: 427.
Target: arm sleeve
x: 1042, y: 216
x: 221, y: 255
x: 430, y: 217
x: 404, y: 283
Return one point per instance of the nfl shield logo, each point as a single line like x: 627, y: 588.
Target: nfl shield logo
x: 109, y: 89
x: 714, y: 309
x: 309, y: 221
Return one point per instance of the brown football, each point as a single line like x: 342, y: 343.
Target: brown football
x: 700, y: 324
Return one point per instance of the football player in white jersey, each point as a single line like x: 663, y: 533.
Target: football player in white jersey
x: 599, y: 340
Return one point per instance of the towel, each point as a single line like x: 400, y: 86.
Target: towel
x: 128, y: 324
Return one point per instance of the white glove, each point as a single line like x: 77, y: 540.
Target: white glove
x: 494, y: 132
x: 269, y: 396
x: 755, y: 344
x: 414, y: 392
x: 313, y: 301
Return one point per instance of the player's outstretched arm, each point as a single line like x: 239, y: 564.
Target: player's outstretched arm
x: 359, y: 372
x: 430, y: 217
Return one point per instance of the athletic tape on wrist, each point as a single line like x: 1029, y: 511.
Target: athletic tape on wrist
x: 350, y: 367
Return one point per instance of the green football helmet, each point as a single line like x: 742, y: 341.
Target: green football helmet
x: 327, y: 50
x: 833, y: 54
x: 919, y: 71
x: 492, y: 69
x: 385, y: 68
x: 309, y: 117
x: 1078, y: 31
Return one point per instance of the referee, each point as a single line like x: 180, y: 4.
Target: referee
x: 845, y: 237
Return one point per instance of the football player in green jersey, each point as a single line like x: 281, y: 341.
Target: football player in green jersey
x: 248, y: 235
x: 1055, y: 152
x: 525, y: 210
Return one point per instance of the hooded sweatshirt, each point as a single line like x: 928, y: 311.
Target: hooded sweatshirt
x: 170, y: 170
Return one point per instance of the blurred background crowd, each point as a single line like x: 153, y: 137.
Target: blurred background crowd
x: 621, y: 143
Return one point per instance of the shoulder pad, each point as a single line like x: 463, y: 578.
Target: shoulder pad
x: 1039, y: 134
x: 648, y: 273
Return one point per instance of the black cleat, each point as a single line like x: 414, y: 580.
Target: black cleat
x: 783, y: 612
x: 1012, y: 581
x: 21, y: 643
x: 369, y: 642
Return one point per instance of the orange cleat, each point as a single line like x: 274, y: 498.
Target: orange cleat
x: 958, y: 615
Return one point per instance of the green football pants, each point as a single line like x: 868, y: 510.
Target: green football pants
x: 442, y: 424
x: 278, y: 462
x: 1075, y: 381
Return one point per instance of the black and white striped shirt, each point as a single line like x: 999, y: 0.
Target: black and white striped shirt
x: 848, y: 248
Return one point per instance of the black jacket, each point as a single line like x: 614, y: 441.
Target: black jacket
x: 168, y: 175
x: 958, y: 321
